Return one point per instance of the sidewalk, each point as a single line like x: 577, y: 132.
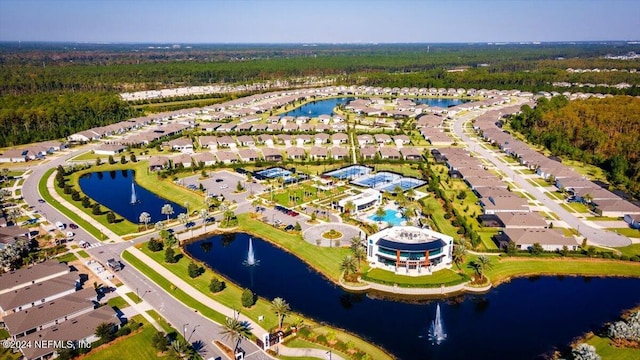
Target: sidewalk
x: 212, y: 304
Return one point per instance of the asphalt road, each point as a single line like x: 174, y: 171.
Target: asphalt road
x: 594, y: 235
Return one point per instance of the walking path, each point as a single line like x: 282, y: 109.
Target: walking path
x: 212, y: 304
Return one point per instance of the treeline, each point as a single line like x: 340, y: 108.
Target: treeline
x: 604, y: 132
x: 31, y: 118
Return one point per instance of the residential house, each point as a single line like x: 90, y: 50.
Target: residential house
x: 14, y: 155
x: 339, y: 138
x: 37, y: 273
x: 265, y: 139
x: 284, y: 139
x: 389, y: 153
x: 208, y: 142
x: 182, y: 160
x: 321, y: 139
x: 318, y: 153
x: 205, y: 158
x: 368, y: 152
x: 549, y: 239
x: 296, y: 153
x: 227, y: 157
x: 339, y: 153
x: 158, y: 163
x: 38, y: 293
x: 226, y: 142
x: 411, y: 154
x: 521, y: 220
x: 248, y: 155
x: 401, y: 140
x: 302, y: 140
x: 246, y: 140
x: 382, y: 139
x: 271, y: 154
x: 498, y: 204
x: 109, y: 149
x: 364, y: 140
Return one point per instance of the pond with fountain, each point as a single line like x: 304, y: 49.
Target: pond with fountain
x: 118, y: 191
x: 518, y: 320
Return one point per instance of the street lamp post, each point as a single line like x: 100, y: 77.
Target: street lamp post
x: 184, y: 330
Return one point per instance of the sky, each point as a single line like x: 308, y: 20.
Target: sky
x: 319, y: 21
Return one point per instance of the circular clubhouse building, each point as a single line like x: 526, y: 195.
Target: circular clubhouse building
x: 409, y: 250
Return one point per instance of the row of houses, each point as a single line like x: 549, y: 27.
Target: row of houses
x: 36, y: 151
x: 521, y: 226
x: 255, y: 127
x: 45, y: 302
x: 606, y: 202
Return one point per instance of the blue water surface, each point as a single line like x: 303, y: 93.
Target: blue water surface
x: 113, y: 190
x: 390, y: 216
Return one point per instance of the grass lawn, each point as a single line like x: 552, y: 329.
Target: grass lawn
x: 134, y: 297
x: 447, y: 277
x: 631, y: 250
x: 325, y: 260
x: 118, y: 302
x: 67, y: 257
x: 606, y: 350
x: 602, y: 218
x: 486, y: 235
x: 579, y: 207
x: 137, y: 346
x: 44, y: 192
x: 568, y: 208
x: 83, y: 254
x: 628, y: 232
x: 554, y: 195
x: 89, y: 155
x: 527, y: 195
x: 505, y: 268
x: 437, y: 217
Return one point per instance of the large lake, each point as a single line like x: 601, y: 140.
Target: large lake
x: 113, y: 190
x: 325, y: 107
x: 518, y: 320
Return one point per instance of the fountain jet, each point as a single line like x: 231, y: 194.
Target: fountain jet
x: 134, y: 198
x: 251, y: 258
x: 436, y: 331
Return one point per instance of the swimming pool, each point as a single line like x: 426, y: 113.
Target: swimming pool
x: 392, y: 217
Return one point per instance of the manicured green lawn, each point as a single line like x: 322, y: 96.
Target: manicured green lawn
x: 628, y: 232
x: 89, y: 155
x: 631, y: 250
x: 606, y: 350
x: 579, y: 207
x: 68, y: 257
x: 505, y: 268
x: 447, y: 277
x: 554, y: 195
x: 137, y: 346
x: 69, y: 213
x: 134, y: 297
x: 83, y: 254
x: 118, y: 302
x: 486, y: 235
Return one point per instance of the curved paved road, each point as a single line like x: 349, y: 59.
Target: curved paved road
x: 594, y: 235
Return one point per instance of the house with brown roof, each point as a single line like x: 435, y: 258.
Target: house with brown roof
x: 321, y: 139
x: 498, y: 204
x: 265, y: 139
x: 401, y: 140
x: 246, y: 140
x: 290, y: 127
x: 40, y: 272
x: 550, y: 239
x: 109, y: 149
x: 382, y: 139
x: 182, y: 144
x: 302, y: 140
x: 274, y: 127
x: 389, y: 153
x: 364, y: 139
x: 38, y: 293
x: 322, y: 127
x: 411, y: 154
x: 205, y: 158
x: 226, y: 142
x: 339, y: 153
x: 14, y: 155
x: 182, y: 160
x: 616, y: 207
x: 208, y: 142
x: 296, y: 153
x: 368, y: 152
x: 271, y: 154
x: 318, y: 153
x: 339, y: 138
x: 158, y: 163
x: 248, y: 155
x: 284, y: 139
x: 521, y: 220
x: 227, y: 157
x: 78, y: 330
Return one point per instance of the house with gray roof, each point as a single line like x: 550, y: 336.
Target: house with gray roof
x: 550, y: 239
x: 37, y: 293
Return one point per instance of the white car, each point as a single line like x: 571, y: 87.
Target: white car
x: 224, y: 186
x: 60, y: 225
x: 70, y: 234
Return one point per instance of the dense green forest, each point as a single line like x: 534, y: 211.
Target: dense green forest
x: 37, y: 117
x: 604, y: 132
x: 50, y: 90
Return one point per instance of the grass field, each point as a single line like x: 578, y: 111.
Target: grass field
x: 606, y: 350
x: 630, y: 250
x: 506, y: 268
x: 136, y: 346
x: 83, y: 254
x: 134, y: 297
x: 446, y: 277
x: 486, y: 235
x: 69, y: 213
x: 118, y: 302
x: 67, y: 257
x: 629, y: 232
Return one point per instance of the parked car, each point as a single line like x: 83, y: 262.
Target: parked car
x: 70, y: 234
x: 224, y: 186
x: 114, y: 264
x: 41, y: 201
x: 289, y: 228
x: 219, y: 180
x: 73, y: 226
x: 60, y: 225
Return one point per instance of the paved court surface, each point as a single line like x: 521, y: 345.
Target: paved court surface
x: 312, y: 234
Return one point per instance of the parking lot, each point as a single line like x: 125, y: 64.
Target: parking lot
x: 224, y: 183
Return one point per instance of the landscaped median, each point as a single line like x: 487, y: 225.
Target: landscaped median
x: 229, y: 297
x: 69, y: 213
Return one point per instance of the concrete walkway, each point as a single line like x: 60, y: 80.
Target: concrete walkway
x: 212, y: 304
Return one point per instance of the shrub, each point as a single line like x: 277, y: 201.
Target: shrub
x: 170, y: 256
x: 248, y: 298
x: 125, y: 330
x: 216, y: 285
x: 155, y: 245
x: 111, y: 217
x: 321, y: 339
x: 86, y: 203
x: 447, y: 216
x: 95, y: 209
x: 194, y: 270
x: 159, y: 341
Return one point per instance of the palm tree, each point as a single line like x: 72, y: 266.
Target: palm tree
x: 159, y: 225
x: 145, y: 218
x: 180, y: 349
x: 459, y: 253
x: 228, y: 215
x: 182, y: 218
x: 281, y: 308
x: 167, y: 209
x: 380, y: 213
x: 359, y: 254
x: 236, y: 331
x: 349, y: 207
x: 481, y: 264
x: 356, y: 242
x: 411, y: 193
x: 204, y: 215
x: 349, y: 265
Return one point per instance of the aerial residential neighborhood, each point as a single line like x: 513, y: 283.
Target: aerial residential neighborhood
x: 287, y: 191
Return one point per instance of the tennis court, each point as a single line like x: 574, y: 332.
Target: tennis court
x: 349, y: 172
